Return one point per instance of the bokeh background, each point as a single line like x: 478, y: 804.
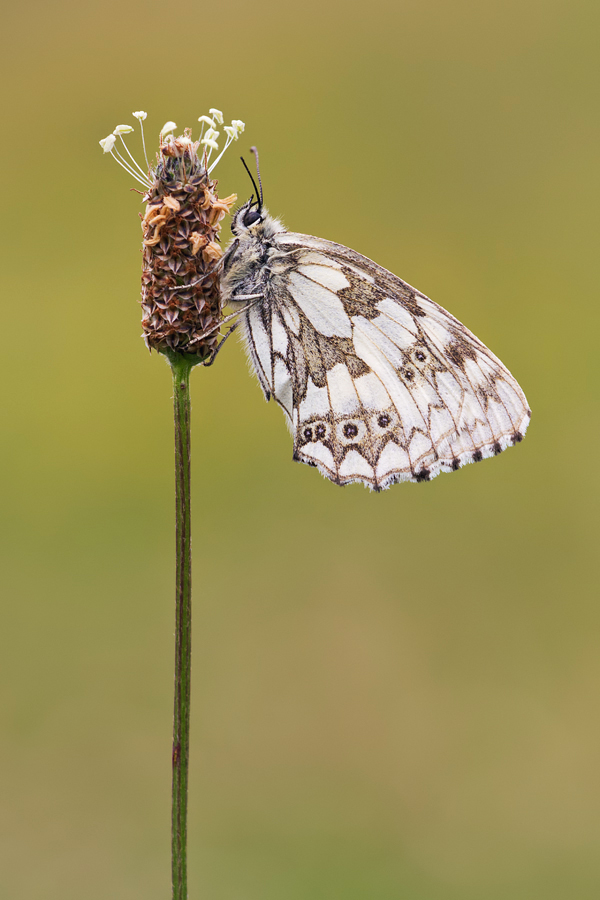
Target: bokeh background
x: 395, y: 695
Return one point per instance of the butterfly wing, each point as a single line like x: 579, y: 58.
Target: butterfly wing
x: 379, y: 383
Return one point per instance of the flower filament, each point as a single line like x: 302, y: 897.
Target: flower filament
x: 208, y: 140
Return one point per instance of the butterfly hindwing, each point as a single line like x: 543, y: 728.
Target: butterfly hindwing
x: 379, y: 383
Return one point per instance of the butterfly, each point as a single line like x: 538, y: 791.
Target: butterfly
x: 378, y: 383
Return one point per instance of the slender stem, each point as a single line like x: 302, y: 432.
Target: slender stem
x: 183, y: 623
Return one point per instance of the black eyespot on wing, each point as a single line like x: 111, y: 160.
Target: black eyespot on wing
x: 308, y: 435
x: 350, y: 430
x: 320, y: 432
x: 384, y: 420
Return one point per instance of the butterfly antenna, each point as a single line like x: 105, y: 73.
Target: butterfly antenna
x: 255, y: 151
x: 251, y: 178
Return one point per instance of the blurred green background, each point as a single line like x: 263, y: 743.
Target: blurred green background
x: 395, y: 695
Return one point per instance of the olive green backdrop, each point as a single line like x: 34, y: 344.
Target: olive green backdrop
x: 396, y: 695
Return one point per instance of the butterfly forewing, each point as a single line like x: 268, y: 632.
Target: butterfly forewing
x: 379, y: 383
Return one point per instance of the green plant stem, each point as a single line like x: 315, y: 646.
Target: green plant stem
x: 183, y: 623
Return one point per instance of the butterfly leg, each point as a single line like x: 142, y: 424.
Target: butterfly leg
x: 213, y: 355
x: 220, y: 262
x: 184, y: 287
x: 205, y: 334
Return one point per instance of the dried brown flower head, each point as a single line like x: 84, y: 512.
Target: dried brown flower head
x: 181, y: 303
x: 180, y: 282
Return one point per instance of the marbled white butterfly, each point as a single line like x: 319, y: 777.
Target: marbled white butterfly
x: 378, y: 383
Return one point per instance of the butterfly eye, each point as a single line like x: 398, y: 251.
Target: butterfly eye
x: 252, y: 216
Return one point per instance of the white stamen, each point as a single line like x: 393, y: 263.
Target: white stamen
x: 126, y: 164
x: 108, y: 143
x: 219, y: 156
x: 208, y: 140
x: 136, y: 164
x: 123, y: 163
x: 231, y: 136
x: 233, y: 132
x: 140, y: 116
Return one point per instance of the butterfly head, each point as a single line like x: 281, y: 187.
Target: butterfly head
x: 254, y: 223
x: 248, y: 219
